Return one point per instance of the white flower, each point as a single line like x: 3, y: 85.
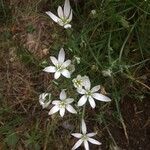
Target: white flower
x: 62, y: 104
x: 60, y: 65
x: 64, y: 15
x: 91, y: 94
x: 78, y: 82
x: 93, y: 12
x: 45, y: 99
x: 107, y: 73
x: 84, y: 138
x: 77, y: 59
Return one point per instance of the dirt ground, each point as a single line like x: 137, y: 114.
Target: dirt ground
x: 137, y: 120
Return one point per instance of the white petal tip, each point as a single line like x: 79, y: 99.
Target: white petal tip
x: 93, y: 107
x: 79, y: 105
x: 67, y: 26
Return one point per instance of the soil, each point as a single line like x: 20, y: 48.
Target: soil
x: 136, y: 115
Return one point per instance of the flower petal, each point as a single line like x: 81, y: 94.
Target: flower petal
x: 66, y: 73
x: 79, y: 77
x: 54, y: 60
x: 91, y: 134
x: 95, y: 88
x: 77, y: 135
x: 66, y: 26
x: 78, y: 143
x: 61, y: 56
x: 57, y: 74
x: 81, y: 91
x: 101, y: 97
x: 42, y: 96
x: 69, y: 100
x: 56, y: 102
x: 82, y: 100
x: 71, y: 109
x: 92, y: 102
x: 60, y: 12
x: 83, y: 127
x: 86, y: 145
x: 54, y: 17
x: 62, y: 95
x: 66, y: 63
x: 62, y: 112
x: 45, y: 100
x: 61, y: 23
x: 93, y: 141
x: 70, y: 16
x: 53, y: 110
x: 87, y: 83
x: 67, y: 8
x: 50, y: 69
x: 46, y: 105
x: 85, y: 77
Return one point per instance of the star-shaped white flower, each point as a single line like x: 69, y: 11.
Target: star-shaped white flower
x: 91, y: 94
x: 45, y: 99
x: 64, y: 15
x: 60, y: 65
x: 78, y: 82
x: 62, y: 104
x: 84, y: 138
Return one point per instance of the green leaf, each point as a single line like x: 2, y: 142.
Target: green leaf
x: 37, y: 146
x: 12, y: 139
x: 124, y: 22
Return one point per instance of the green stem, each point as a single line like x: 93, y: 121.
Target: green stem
x: 126, y: 39
x: 83, y: 112
x: 3, y: 8
x: 109, y: 49
x: 124, y: 43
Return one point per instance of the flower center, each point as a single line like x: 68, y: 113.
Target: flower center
x: 62, y: 104
x: 88, y: 93
x: 64, y: 20
x: 78, y: 82
x: 59, y: 67
x: 84, y: 137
